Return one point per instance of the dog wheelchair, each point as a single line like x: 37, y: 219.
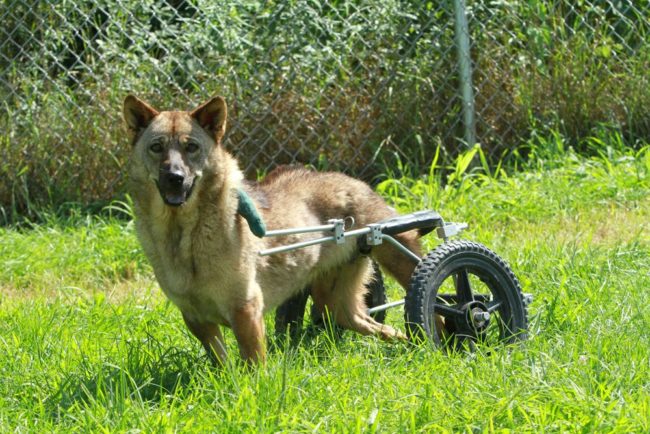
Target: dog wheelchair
x: 461, y: 293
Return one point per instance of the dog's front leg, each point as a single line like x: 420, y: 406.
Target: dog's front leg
x: 248, y: 326
x: 210, y: 337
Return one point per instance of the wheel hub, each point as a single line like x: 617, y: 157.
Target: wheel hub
x: 476, y: 317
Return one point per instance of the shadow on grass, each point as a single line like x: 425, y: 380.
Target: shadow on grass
x: 141, y: 377
x: 318, y: 334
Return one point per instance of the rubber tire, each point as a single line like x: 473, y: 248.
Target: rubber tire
x: 480, y: 261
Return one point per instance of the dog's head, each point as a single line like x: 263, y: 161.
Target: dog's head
x: 174, y: 147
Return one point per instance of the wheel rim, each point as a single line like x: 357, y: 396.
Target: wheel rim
x: 470, y: 295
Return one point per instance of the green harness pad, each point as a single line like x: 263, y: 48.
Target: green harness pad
x: 246, y: 209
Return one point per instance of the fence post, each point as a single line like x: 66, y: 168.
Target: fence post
x: 461, y: 30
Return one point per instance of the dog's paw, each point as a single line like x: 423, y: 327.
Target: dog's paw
x: 388, y: 333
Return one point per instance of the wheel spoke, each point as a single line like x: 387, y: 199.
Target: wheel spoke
x: 447, y: 298
x: 447, y: 311
x: 494, y: 305
x: 463, y: 287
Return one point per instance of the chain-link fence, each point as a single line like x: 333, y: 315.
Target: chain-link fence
x: 348, y: 85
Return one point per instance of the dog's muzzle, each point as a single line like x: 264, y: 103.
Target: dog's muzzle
x: 174, y: 187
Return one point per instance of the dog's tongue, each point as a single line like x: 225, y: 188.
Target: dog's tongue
x: 174, y: 199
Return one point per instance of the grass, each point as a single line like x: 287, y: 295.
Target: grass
x: 88, y: 343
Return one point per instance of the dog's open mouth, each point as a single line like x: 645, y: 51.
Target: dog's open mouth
x: 174, y: 198
x: 175, y: 195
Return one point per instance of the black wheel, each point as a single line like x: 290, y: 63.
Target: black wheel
x: 462, y: 293
x: 289, y: 316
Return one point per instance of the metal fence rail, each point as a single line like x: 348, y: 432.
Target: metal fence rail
x: 348, y: 85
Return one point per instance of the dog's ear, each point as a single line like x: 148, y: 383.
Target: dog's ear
x: 212, y: 117
x: 137, y: 114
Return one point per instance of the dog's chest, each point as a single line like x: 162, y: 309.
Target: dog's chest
x: 193, y: 264
x: 172, y: 257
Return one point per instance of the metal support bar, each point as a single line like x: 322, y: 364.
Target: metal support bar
x: 385, y: 306
x: 450, y: 229
x: 356, y: 232
x: 295, y: 246
x: 465, y: 71
x: 323, y: 240
x: 401, y: 247
x: 304, y: 230
x: 528, y: 299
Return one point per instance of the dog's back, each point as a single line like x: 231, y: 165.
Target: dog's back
x: 296, y: 196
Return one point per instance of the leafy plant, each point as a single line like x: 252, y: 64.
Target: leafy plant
x: 348, y: 84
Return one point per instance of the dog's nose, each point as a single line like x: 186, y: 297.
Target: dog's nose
x: 175, y: 178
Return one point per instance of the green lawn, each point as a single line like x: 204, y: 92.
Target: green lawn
x: 89, y: 344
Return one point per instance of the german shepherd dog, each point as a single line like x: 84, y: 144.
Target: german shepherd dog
x: 185, y: 185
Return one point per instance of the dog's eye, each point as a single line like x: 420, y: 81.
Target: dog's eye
x: 156, y: 148
x: 192, y: 147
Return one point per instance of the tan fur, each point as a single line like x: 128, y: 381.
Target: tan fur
x: 203, y: 254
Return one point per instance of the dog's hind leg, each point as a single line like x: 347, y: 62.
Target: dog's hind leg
x: 248, y: 325
x: 341, y: 293
x: 210, y: 336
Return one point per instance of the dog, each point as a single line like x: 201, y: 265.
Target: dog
x: 185, y: 185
